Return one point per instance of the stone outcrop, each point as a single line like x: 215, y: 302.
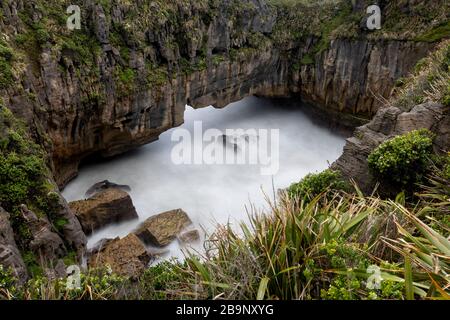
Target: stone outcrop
x: 386, y: 124
x: 74, y: 236
x: 132, y: 90
x: 46, y: 245
x: 189, y: 236
x: 106, y: 207
x: 161, y: 229
x: 127, y: 256
x: 10, y: 256
x: 353, y: 76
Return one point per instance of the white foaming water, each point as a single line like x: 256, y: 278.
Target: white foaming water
x: 213, y: 194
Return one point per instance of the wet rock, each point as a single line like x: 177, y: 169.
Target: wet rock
x: 104, y: 208
x: 45, y: 244
x: 127, y: 256
x: 104, y: 185
x: 163, y: 228
x: 9, y: 253
x: 189, y: 236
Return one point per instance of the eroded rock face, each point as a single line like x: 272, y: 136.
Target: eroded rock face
x: 9, y: 253
x: 72, y: 231
x: 161, y: 229
x: 351, y: 75
x: 106, y: 207
x: 127, y: 256
x: 46, y: 245
x: 387, y: 123
x: 88, y: 110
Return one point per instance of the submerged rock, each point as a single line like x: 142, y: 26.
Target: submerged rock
x: 127, y: 256
x: 189, y: 236
x: 163, y: 228
x: 104, y: 185
x: 107, y: 207
x: 45, y: 244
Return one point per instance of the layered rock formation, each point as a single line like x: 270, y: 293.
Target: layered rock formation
x: 10, y: 256
x: 387, y: 123
x: 104, y: 208
x: 120, y: 81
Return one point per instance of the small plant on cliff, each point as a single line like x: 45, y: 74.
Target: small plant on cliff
x: 430, y: 81
x: 403, y: 160
x: 314, y: 184
x: 6, y: 59
x: 7, y: 283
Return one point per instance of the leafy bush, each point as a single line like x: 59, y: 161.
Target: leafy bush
x: 314, y: 184
x: 98, y: 284
x: 404, y: 159
x: 7, y: 282
x: 6, y: 73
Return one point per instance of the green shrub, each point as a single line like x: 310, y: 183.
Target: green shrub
x: 307, y: 59
x: 161, y: 280
x: 7, y: 279
x: 6, y: 73
x: 404, y: 159
x: 314, y: 184
x: 98, y: 284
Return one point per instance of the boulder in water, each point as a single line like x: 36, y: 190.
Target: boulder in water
x: 161, y: 229
x: 104, y: 208
x: 127, y: 256
x: 104, y: 185
x: 189, y: 236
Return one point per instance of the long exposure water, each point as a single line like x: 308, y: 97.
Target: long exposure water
x: 213, y: 194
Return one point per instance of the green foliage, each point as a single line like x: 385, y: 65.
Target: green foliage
x: 156, y: 76
x: 349, y: 262
x: 428, y: 251
x: 6, y: 59
x: 307, y: 59
x: 7, y: 281
x: 436, y: 34
x: 98, y: 284
x: 430, y: 81
x: 404, y: 159
x: 314, y: 184
x: 23, y: 180
x: 162, y: 281
x: 125, y: 80
x: 446, y: 98
x: 34, y: 269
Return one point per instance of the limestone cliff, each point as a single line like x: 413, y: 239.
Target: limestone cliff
x: 127, y: 75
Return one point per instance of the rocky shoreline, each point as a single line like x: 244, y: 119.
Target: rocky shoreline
x: 129, y: 255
